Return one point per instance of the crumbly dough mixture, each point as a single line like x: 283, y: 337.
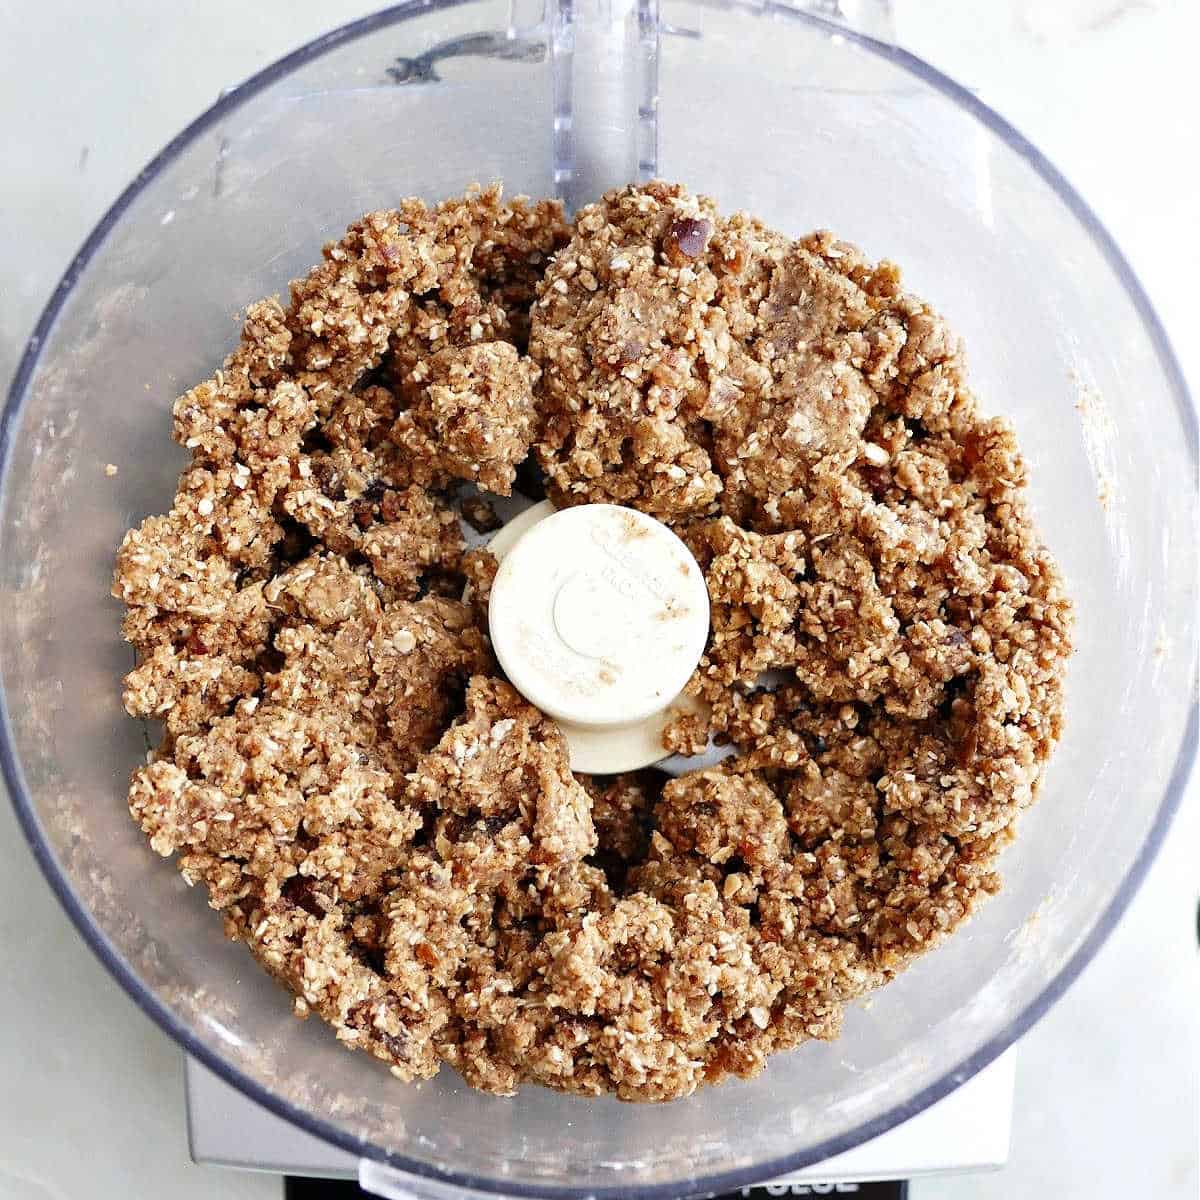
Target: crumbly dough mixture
x: 397, y: 835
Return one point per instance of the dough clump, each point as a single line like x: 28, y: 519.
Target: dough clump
x: 396, y: 834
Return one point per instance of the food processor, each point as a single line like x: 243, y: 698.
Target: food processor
x: 806, y: 120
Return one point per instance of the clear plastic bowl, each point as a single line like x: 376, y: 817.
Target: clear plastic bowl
x: 766, y: 108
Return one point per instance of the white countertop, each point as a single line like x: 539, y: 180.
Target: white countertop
x: 92, y: 1095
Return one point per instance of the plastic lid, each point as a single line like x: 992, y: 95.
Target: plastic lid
x: 598, y: 616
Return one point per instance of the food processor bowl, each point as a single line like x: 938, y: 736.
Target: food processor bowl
x: 806, y: 123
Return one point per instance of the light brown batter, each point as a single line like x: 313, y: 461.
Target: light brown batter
x: 397, y: 835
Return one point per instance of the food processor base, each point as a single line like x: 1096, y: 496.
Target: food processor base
x: 968, y: 1130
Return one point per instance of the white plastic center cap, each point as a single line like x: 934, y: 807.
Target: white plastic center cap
x: 599, y: 615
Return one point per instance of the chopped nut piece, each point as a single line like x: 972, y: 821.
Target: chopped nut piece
x: 480, y: 515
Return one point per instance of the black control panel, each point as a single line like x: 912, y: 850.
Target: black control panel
x: 344, y: 1189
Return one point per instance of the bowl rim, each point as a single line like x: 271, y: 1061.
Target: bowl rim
x: 726, y: 1181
